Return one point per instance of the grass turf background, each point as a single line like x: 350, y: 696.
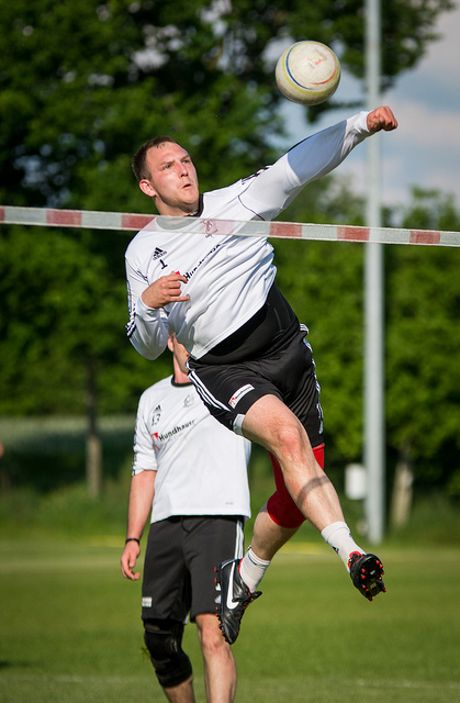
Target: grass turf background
x: 70, y: 630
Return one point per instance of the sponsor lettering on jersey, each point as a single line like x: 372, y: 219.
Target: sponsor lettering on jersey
x: 163, y: 436
x: 240, y: 393
x: 189, y: 274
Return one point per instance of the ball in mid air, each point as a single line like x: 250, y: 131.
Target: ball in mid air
x: 308, y: 72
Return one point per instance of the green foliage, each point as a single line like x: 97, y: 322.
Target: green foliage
x: 48, y: 334
x: 423, y: 343
x: 82, y: 84
x: 48, y: 453
x: 323, y: 282
x: 102, y: 79
x: 62, y: 308
x: 435, y: 520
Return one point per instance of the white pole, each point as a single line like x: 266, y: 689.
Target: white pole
x: 374, y: 444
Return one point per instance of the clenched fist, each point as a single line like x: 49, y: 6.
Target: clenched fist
x: 381, y: 118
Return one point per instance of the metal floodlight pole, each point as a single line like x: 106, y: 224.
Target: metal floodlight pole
x: 374, y: 444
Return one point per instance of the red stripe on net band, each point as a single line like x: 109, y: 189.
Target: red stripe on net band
x: 131, y: 222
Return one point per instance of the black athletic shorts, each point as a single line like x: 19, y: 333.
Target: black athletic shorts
x: 179, y: 564
x: 267, y: 355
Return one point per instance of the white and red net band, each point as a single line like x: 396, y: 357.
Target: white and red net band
x: 130, y: 222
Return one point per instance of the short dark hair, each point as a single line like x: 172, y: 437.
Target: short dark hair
x: 139, y: 162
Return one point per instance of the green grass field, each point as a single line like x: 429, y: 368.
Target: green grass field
x: 70, y: 630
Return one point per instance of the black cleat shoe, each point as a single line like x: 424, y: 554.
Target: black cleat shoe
x: 234, y: 598
x: 366, y: 571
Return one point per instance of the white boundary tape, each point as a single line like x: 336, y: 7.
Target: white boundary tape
x: 129, y: 222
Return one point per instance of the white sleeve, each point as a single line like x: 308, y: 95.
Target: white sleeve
x: 272, y: 189
x: 147, y: 328
x: 144, y: 452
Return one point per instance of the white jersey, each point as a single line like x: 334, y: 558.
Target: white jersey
x: 201, y: 465
x: 228, y: 276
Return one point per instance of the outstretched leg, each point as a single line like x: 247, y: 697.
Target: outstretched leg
x: 269, y: 422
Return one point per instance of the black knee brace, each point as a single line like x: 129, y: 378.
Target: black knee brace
x: 163, y: 639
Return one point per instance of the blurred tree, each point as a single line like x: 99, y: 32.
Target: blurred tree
x: 62, y: 342
x: 57, y: 310
x: 323, y: 281
x: 81, y: 85
x: 423, y: 346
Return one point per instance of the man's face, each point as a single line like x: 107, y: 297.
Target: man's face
x: 173, y: 180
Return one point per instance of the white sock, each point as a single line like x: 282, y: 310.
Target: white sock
x: 338, y: 536
x: 252, y: 569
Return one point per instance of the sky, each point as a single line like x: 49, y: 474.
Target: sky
x: 425, y: 149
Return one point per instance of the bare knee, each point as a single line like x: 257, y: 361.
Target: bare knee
x: 271, y: 423
x: 211, y: 638
x: 290, y: 444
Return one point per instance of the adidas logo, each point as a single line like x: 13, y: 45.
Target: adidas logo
x: 156, y: 414
x: 158, y: 252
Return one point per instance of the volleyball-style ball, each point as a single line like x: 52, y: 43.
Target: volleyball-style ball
x: 308, y: 72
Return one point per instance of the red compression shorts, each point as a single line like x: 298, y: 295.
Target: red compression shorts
x: 280, y: 506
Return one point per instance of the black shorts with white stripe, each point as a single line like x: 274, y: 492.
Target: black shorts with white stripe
x: 283, y: 367
x: 181, y: 554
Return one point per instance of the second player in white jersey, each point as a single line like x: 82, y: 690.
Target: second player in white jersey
x: 200, y: 465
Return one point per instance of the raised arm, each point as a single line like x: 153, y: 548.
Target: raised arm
x: 381, y: 118
x: 313, y: 157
